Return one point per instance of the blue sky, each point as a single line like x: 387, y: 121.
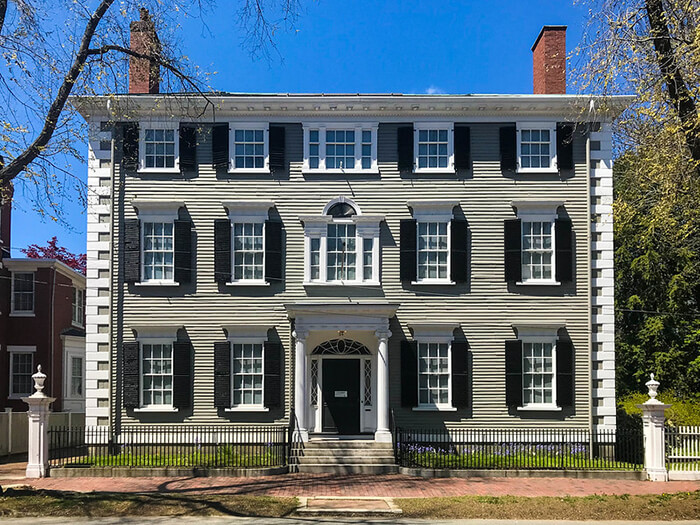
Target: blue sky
x: 368, y: 46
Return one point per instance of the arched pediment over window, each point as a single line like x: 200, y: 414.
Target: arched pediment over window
x: 341, y: 207
x: 341, y: 347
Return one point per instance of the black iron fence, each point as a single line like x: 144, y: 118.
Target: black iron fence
x: 549, y: 449
x: 170, y: 446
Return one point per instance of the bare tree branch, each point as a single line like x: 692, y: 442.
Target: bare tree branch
x: 3, y: 13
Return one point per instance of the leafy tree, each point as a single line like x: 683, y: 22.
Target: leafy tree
x: 53, y: 251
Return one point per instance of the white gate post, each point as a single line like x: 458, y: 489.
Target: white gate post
x: 653, y: 418
x: 38, y: 416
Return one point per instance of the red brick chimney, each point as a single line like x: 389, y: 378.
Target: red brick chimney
x: 144, y: 74
x: 549, y: 61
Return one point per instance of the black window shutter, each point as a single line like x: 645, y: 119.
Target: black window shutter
x: 182, y: 374
x: 277, y: 160
x: 511, y: 245
x: 509, y: 146
x: 462, y: 148
x: 409, y: 373
x: 130, y: 146
x: 565, y: 373
x: 273, y: 251
x: 565, y: 146
x: 514, y: 373
x: 130, y: 375
x: 460, y: 374
x: 222, y: 374
x: 219, y: 146
x: 273, y: 374
x: 183, y: 251
x: 132, y: 250
x: 563, y: 238
x: 405, y: 148
x: 222, y: 250
x: 407, y: 247
x: 459, y: 251
x: 188, y: 147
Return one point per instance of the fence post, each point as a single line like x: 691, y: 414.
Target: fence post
x: 653, y: 418
x: 38, y: 417
x: 8, y: 411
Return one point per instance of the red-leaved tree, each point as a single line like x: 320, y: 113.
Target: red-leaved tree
x: 52, y: 251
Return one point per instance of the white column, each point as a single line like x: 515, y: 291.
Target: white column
x: 38, y: 416
x: 300, y: 398
x: 653, y: 418
x: 383, y: 433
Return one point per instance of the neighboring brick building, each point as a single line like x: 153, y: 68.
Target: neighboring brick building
x: 42, y: 317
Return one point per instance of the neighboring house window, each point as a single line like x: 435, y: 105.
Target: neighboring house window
x: 341, y: 149
x: 433, y: 250
x: 76, y: 377
x: 538, y: 373
x: 537, y: 250
x: 247, y: 360
x: 158, y: 251
x: 78, y: 306
x: 433, y: 374
x: 21, y: 370
x: 156, y: 374
x: 249, y: 147
x: 434, y: 147
x: 342, y: 246
x: 23, y: 292
x: 248, y: 251
x: 536, y: 147
x: 159, y: 148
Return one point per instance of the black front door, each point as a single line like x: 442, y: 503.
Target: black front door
x: 341, y: 396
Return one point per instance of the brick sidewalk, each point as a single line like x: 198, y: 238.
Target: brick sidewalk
x: 397, y: 486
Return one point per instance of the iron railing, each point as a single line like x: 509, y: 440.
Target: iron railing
x: 170, y: 446
x: 548, y: 449
x: 683, y: 448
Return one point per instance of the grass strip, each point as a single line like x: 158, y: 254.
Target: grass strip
x: 677, y: 506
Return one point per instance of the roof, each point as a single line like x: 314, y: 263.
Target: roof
x: 29, y: 265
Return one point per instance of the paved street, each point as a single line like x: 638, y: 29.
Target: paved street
x: 307, y: 521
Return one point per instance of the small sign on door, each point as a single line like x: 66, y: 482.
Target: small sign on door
x: 341, y: 393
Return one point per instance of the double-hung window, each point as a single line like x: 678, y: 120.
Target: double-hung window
x: 248, y: 241
x: 433, y: 250
x: 78, y: 306
x: 339, y: 148
x: 433, y: 374
x: 249, y: 147
x: 21, y: 370
x: 158, y: 251
x: 23, y: 293
x: 76, y: 376
x: 434, y: 147
x: 159, y: 147
x: 536, y: 147
x: 537, y: 250
x: 156, y: 374
x: 539, y: 377
x: 247, y: 374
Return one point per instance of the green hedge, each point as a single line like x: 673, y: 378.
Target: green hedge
x: 683, y: 412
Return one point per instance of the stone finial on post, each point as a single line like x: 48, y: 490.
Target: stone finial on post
x: 653, y: 419
x: 38, y: 417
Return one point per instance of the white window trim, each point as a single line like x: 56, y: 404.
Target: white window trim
x: 155, y: 216
x: 434, y: 211
x: 233, y: 126
x: 250, y: 335
x: 436, y: 407
x: 244, y: 212
x: 552, y: 127
x: 541, y: 407
x: 143, y: 126
x: 155, y: 340
x: 529, y: 217
x: 23, y: 313
x: 450, y: 127
x: 358, y: 127
x: 12, y: 351
x: 80, y: 322
x: 68, y: 374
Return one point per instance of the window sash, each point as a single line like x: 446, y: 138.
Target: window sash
x: 248, y: 251
x: 536, y: 146
x: 537, y: 246
x: 249, y: 146
x: 23, y: 292
x: 156, y: 374
x: 21, y: 370
x: 78, y: 306
x: 76, y: 377
x: 158, y: 251
x: 159, y: 148
x: 341, y: 252
x: 248, y: 374
x: 326, y: 147
x: 433, y: 250
x: 539, y: 373
x: 434, y: 374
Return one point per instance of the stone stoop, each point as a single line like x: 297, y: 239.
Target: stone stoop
x: 361, y: 507
x: 344, y: 457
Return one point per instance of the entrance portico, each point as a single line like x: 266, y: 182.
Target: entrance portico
x: 330, y: 397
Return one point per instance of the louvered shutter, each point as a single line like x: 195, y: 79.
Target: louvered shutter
x: 514, y: 373
x: 459, y: 251
x: 183, y: 251
x: 130, y: 375
x: 222, y: 250
x: 460, y: 374
x: 277, y: 149
x: 219, y: 146
x: 273, y: 251
x: 565, y: 146
x: 273, y: 374
x: 188, y: 147
x: 407, y: 248
x: 132, y: 250
x: 512, y: 250
x: 222, y: 374
x: 130, y: 146
x: 508, y: 148
x: 565, y: 373
x: 564, y: 257
x: 462, y: 137
x: 409, y: 373
x: 182, y: 374
x: 405, y: 148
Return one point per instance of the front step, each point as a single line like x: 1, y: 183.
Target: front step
x: 346, y: 469
x: 345, y: 460
x: 339, y: 456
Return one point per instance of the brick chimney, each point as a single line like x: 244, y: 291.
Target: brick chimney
x: 144, y: 74
x: 549, y: 61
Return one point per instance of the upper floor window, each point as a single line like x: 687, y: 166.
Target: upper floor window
x: 249, y: 146
x: 248, y: 251
x: 433, y: 250
x: 23, y: 292
x: 537, y: 250
x: 159, y: 148
x: 536, y: 147
x: 21, y: 370
x: 78, y: 306
x: 158, y: 252
x: 340, y: 148
x: 434, y: 147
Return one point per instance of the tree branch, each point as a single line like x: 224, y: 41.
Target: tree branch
x: 3, y: 13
